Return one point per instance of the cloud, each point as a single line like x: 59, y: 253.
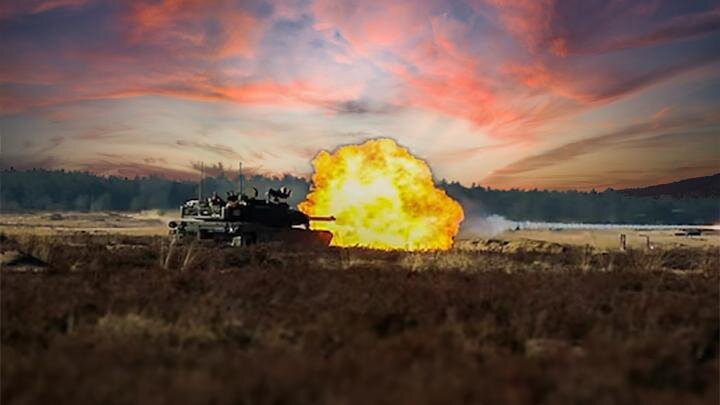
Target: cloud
x: 131, y: 169
x: 437, y: 65
x: 14, y: 8
x: 295, y: 74
x: 50, y: 145
x: 218, y: 149
x: 217, y: 169
x: 427, y: 56
x: 469, y: 153
x: 169, y: 48
x: 563, y: 28
x: 372, y: 27
x: 361, y: 107
x: 219, y: 28
x: 575, y: 149
x: 675, y: 29
x: 643, y: 136
x: 104, y: 132
x: 633, y: 82
x: 27, y: 162
x: 603, y: 84
x: 153, y: 160
x: 661, y: 113
x: 103, y: 164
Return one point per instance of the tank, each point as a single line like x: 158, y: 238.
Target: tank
x: 242, y: 220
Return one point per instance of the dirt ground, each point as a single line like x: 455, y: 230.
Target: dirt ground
x: 104, y: 309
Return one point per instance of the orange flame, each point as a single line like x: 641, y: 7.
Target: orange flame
x: 382, y: 197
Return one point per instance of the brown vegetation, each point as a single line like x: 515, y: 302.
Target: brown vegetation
x: 128, y: 319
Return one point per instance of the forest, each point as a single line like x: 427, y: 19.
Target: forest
x: 60, y: 190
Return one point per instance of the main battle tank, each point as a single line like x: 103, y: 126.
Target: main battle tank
x: 243, y: 220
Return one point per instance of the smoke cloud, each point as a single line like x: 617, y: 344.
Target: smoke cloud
x: 485, y: 226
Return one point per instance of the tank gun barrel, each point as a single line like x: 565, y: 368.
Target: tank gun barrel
x: 328, y: 218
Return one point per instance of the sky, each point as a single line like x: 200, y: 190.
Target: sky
x: 556, y: 94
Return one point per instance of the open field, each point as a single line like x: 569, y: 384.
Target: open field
x: 609, y: 238
x: 103, y: 314
x: 59, y: 223
x: 155, y: 223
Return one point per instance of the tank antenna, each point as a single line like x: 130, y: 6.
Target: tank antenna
x: 241, y: 179
x: 202, y: 174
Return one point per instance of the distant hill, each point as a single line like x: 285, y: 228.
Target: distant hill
x: 696, y: 187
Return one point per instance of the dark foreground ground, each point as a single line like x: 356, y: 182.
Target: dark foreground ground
x: 117, y: 321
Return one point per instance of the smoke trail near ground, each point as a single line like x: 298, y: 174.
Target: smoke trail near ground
x: 478, y: 223
x: 489, y: 226
x: 485, y: 226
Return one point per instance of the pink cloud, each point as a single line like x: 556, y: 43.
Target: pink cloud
x: 183, y: 24
x: 373, y: 26
x: 430, y: 58
x: 529, y: 21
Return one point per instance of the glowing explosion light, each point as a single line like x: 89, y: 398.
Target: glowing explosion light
x: 382, y: 197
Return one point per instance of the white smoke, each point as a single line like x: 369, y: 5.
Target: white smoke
x: 480, y: 224
x: 485, y: 226
x: 489, y: 226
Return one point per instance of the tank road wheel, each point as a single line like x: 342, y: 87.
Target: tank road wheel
x: 249, y: 239
x: 246, y: 239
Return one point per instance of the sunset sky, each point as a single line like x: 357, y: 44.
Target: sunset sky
x: 506, y: 93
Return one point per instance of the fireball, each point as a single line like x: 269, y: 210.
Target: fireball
x: 382, y: 197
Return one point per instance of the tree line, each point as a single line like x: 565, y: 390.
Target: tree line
x: 80, y: 191
x: 608, y: 206
x: 62, y: 190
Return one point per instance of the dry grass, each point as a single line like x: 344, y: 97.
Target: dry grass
x: 122, y: 319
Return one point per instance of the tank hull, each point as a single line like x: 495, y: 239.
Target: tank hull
x: 246, y: 233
